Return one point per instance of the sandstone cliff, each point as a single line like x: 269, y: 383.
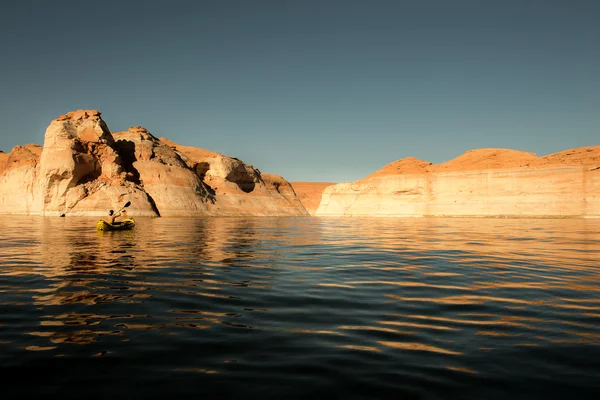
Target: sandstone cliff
x: 483, y: 183
x: 84, y: 169
x: 310, y: 193
x: 18, y: 173
x: 236, y: 184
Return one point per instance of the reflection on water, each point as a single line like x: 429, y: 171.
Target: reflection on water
x: 392, y: 308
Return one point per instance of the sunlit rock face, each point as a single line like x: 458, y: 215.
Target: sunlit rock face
x: 18, y: 176
x: 84, y: 169
x: 481, y: 183
x: 80, y: 171
x: 172, y: 188
x: 236, y: 188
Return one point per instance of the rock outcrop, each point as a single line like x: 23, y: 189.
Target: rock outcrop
x: 235, y: 183
x: 310, y: 193
x: 84, y: 169
x: 481, y: 183
x: 18, y: 173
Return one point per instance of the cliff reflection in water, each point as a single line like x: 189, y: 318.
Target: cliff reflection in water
x: 355, y: 306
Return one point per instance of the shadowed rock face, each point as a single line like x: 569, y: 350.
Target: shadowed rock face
x: 84, y: 169
x: 482, y: 183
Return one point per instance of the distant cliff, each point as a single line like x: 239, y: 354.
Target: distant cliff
x: 310, y: 194
x: 84, y: 169
x: 481, y: 183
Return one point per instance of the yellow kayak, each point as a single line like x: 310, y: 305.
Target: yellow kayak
x: 126, y: 224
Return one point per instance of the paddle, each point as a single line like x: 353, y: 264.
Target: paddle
x: 124, y: 207
x: 120, y: 211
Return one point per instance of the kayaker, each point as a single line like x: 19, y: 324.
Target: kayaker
x: 112, y: 216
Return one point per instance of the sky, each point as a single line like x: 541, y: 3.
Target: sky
x: 313, y: 90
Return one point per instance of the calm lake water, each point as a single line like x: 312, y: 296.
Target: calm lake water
x: 300, y: 307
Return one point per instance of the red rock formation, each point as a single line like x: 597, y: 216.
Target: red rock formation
x: 83, y: 169
x: 483, y: 159
x: 581, y: 156
x: 18, y: 173
x: 483, y: 182
x: 480, y: 159
x: 20, y: 156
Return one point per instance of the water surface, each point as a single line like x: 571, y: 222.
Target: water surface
x: 299, y: 307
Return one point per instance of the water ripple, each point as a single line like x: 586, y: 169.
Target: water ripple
x: 357, y: 308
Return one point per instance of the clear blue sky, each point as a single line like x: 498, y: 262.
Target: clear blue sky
x: 314, y: 90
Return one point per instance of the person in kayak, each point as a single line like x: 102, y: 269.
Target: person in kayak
x: 112, y: 216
